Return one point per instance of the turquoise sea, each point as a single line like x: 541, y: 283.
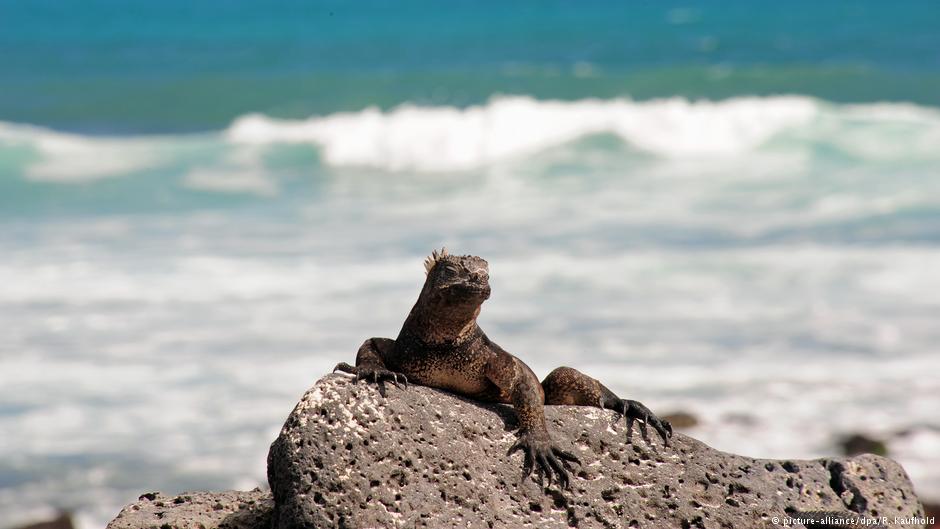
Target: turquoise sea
x: 728, y: 208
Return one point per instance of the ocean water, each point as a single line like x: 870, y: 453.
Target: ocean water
x: 205, y: 206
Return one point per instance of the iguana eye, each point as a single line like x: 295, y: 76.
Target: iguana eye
x: 450, y: 269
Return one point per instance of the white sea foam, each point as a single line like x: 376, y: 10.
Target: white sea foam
x: 444, y: 138
x: 64, y: 157
x: 440, y: 139
x: 242, y: 172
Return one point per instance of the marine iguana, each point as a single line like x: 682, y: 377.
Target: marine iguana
x: 440, y: 345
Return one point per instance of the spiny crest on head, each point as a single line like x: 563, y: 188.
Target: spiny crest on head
x: 433, y: 259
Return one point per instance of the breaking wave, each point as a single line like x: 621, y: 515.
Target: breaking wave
x: 443, y: 139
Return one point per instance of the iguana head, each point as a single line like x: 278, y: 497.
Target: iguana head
x: 454, y: 291
x: 456, y: 279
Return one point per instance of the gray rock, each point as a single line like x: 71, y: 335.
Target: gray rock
x: 198, y: 510
x: 420, y: 457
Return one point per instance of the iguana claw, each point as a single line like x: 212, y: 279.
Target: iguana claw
x: 538, y: 450
x: 633, y: 410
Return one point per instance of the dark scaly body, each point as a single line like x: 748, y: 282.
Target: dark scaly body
x: 440, y: 345
x: 458, y: 367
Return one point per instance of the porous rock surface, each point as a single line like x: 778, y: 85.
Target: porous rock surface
x: 198, y: 510
x: 420, y: 457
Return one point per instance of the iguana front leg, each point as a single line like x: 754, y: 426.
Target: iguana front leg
x: 517, y: 382
x: 634, y: 410
x: 566, y: 385
x: 370, y: 362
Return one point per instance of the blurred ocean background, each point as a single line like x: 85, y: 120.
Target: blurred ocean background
x: 730, y: 209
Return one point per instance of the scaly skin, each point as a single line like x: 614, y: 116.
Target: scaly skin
x: 440, y: 345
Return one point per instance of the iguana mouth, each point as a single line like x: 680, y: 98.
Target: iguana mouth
x: 481, y: 292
